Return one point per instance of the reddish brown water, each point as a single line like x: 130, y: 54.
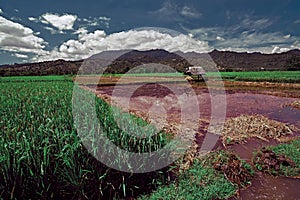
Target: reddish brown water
x: 238, y: 102
x: 266, y: 187
x: 245, y: 150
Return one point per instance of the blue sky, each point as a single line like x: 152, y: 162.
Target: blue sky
x: 34, y: 30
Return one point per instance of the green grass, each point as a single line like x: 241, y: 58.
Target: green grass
x: 270, y: 76
x: 41, y: 155
x: 259, y: 76
x: 36, y: 78
x: 201, y: 181
x: 290, y: 150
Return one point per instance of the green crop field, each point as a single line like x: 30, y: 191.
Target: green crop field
x: 36, y: 78
x: 269, y: 76
x: 259, y: 76
x: 41, y: 154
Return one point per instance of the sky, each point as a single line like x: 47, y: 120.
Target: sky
x: 33, y: 31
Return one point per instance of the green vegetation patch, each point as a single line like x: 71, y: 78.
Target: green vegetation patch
x: 217, y: 176
x: 260, y: 76
x: 36, y: 78
x: 42, y: 156
x: 283, y: 159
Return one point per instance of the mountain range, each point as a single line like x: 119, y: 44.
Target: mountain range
x: 125, y: 60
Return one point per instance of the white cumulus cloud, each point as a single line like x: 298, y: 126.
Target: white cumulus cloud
x: 18, y: 55
x: 220, y: 38
x: 95, y: 21
x: 61, y: 22
x: 33, y: 19
x: 278, y: 49
x: 15, y: 37
x: 91, y: 43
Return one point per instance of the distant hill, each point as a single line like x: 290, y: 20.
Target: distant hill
x: 136, y: 58
x: 233, y: 61
x: 122, y: 61
x: 57, y: 67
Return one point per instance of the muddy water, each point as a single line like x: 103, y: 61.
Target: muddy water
x: 274, y: 107
x: 245, y: 150
x: 238, y: 102
x: 266, y: 187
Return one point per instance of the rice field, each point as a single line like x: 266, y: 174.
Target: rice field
x: 41, y: 155
x: 259, y: 76
x: 36, y: 78
x: 268, y: 76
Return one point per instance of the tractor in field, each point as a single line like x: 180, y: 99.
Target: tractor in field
x: 195, y: 71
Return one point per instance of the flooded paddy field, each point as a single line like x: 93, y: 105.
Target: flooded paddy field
x: 160, y: 105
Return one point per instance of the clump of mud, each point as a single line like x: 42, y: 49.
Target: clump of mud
x: 295, y: 104
x: 267, y: 161
x: 239, y: 129
x: 234, y: 169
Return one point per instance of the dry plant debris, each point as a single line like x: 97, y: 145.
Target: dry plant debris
x: 268, y: 161
x: 239, y: 129
x: 233, y: 169
x: 296, y: 104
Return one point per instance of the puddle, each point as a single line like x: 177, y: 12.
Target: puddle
x: 270, y: 187
x: 286, y: 114
x: 274, y: 107
x: 245, y: 150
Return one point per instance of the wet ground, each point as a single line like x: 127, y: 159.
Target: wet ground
x: 160, y: 105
